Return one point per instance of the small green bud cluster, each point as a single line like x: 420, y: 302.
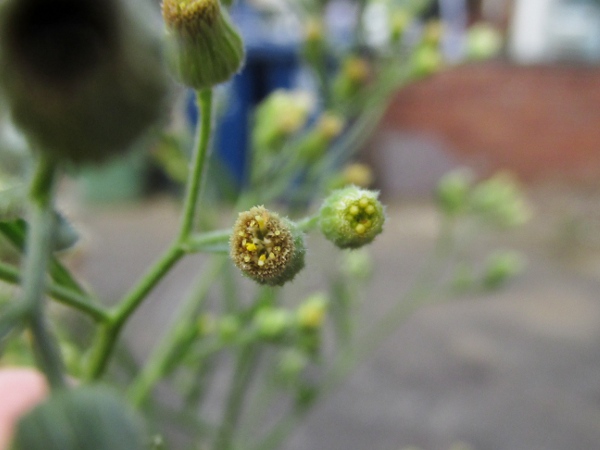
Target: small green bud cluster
x: 357, y: 174
x: 267, y: 248
x: 82, y: 79
x: 498, y: 200
x: 282, y: 114
x: 351, y: 217
x: 205, y: 48
x: 399, y: 20
x: 498, y: 268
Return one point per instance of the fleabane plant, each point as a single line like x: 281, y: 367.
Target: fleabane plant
x: 83, y: 81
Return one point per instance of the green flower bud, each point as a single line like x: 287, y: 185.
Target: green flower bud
x: 483, y: 41
x: 399, y: 21
x: 426, y: 60
x: 452, y: 192
x: 228, y: 328
x: 291, y: 364
x: 278, y: 117
x: 316, y: 141
x: 77, y: 419
x: 205, y: 48
x: 267, y: 248
x: 499, y: 201
x: 352, y: 217
x: 82, y: 78
x: 314, y: 40
x: 271, y: 323
x: 310, y: 315
x: 353, y: 76
x: 500, y: 267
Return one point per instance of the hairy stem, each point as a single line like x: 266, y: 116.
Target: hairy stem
x: 109, y: 334
x: 38, y: 247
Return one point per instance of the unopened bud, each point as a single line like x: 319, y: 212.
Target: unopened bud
x: 311, y: 313
x: 205, y: 48
x: 352, y: 217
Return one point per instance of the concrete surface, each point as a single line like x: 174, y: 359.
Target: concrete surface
x: 517, y: 369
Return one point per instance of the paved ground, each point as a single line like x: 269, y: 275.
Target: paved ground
x: 517, y: 369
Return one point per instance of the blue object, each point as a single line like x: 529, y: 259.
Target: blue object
x: 272, y: 63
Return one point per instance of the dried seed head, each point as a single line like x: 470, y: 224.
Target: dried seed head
x: 267, y: 248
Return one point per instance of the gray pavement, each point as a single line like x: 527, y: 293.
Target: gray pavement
x: 516, y: 369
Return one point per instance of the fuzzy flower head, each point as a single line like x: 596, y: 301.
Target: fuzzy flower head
x: 266, y: 247
x: 352, y: 217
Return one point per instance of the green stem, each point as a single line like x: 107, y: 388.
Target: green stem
x: 309, y: 223
x: 39, y: 241
x: 211, y: 241
x: 204, y: 99
x: 109, y: 334
x: 174, y: 344
x: 244, y: 370
x: 60, y: 293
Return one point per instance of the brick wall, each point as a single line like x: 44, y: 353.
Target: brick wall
x: 541, y: 122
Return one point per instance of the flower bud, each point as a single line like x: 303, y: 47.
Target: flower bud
x: 501, y: 266
x: 83, y: 78
x: 279, y: 116
x: 271, y: 323
x: 314, y: 143
x: 399, y: 21
x: 85, y: 417
x: 426, y: 60
x: 314, y: 43
x: 267, y: 248
x: 353, y: 76
x: 352, y: 217
x: 499, y: 201
x: 311, y: 313
x: 205, y: 49
x: 452, y: 192
x: 483, y: 41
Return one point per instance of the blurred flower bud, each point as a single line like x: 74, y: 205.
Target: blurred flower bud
x: 316, y: 141
x: 426, y: 60
x: 228, y: 328
x: 432, y: 33
x: 266, y: 247
x: 314, y: 41
x: 354, y: 74
x: 291, y: 364
x: 501, y: 266
x: 499, y: 201
x: 271, y: 323
x: 83, y: 78
x: 351, y: 217
x: 452, y: 192
x: 483, y: 41
x: 205, y: 49
x: 91, y: 417
x: 357, y: 265
x: 206, y: 324
x: 399, y: 21
x: 310, y: 315
x: 279, y: 116
x: 357, y: 174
